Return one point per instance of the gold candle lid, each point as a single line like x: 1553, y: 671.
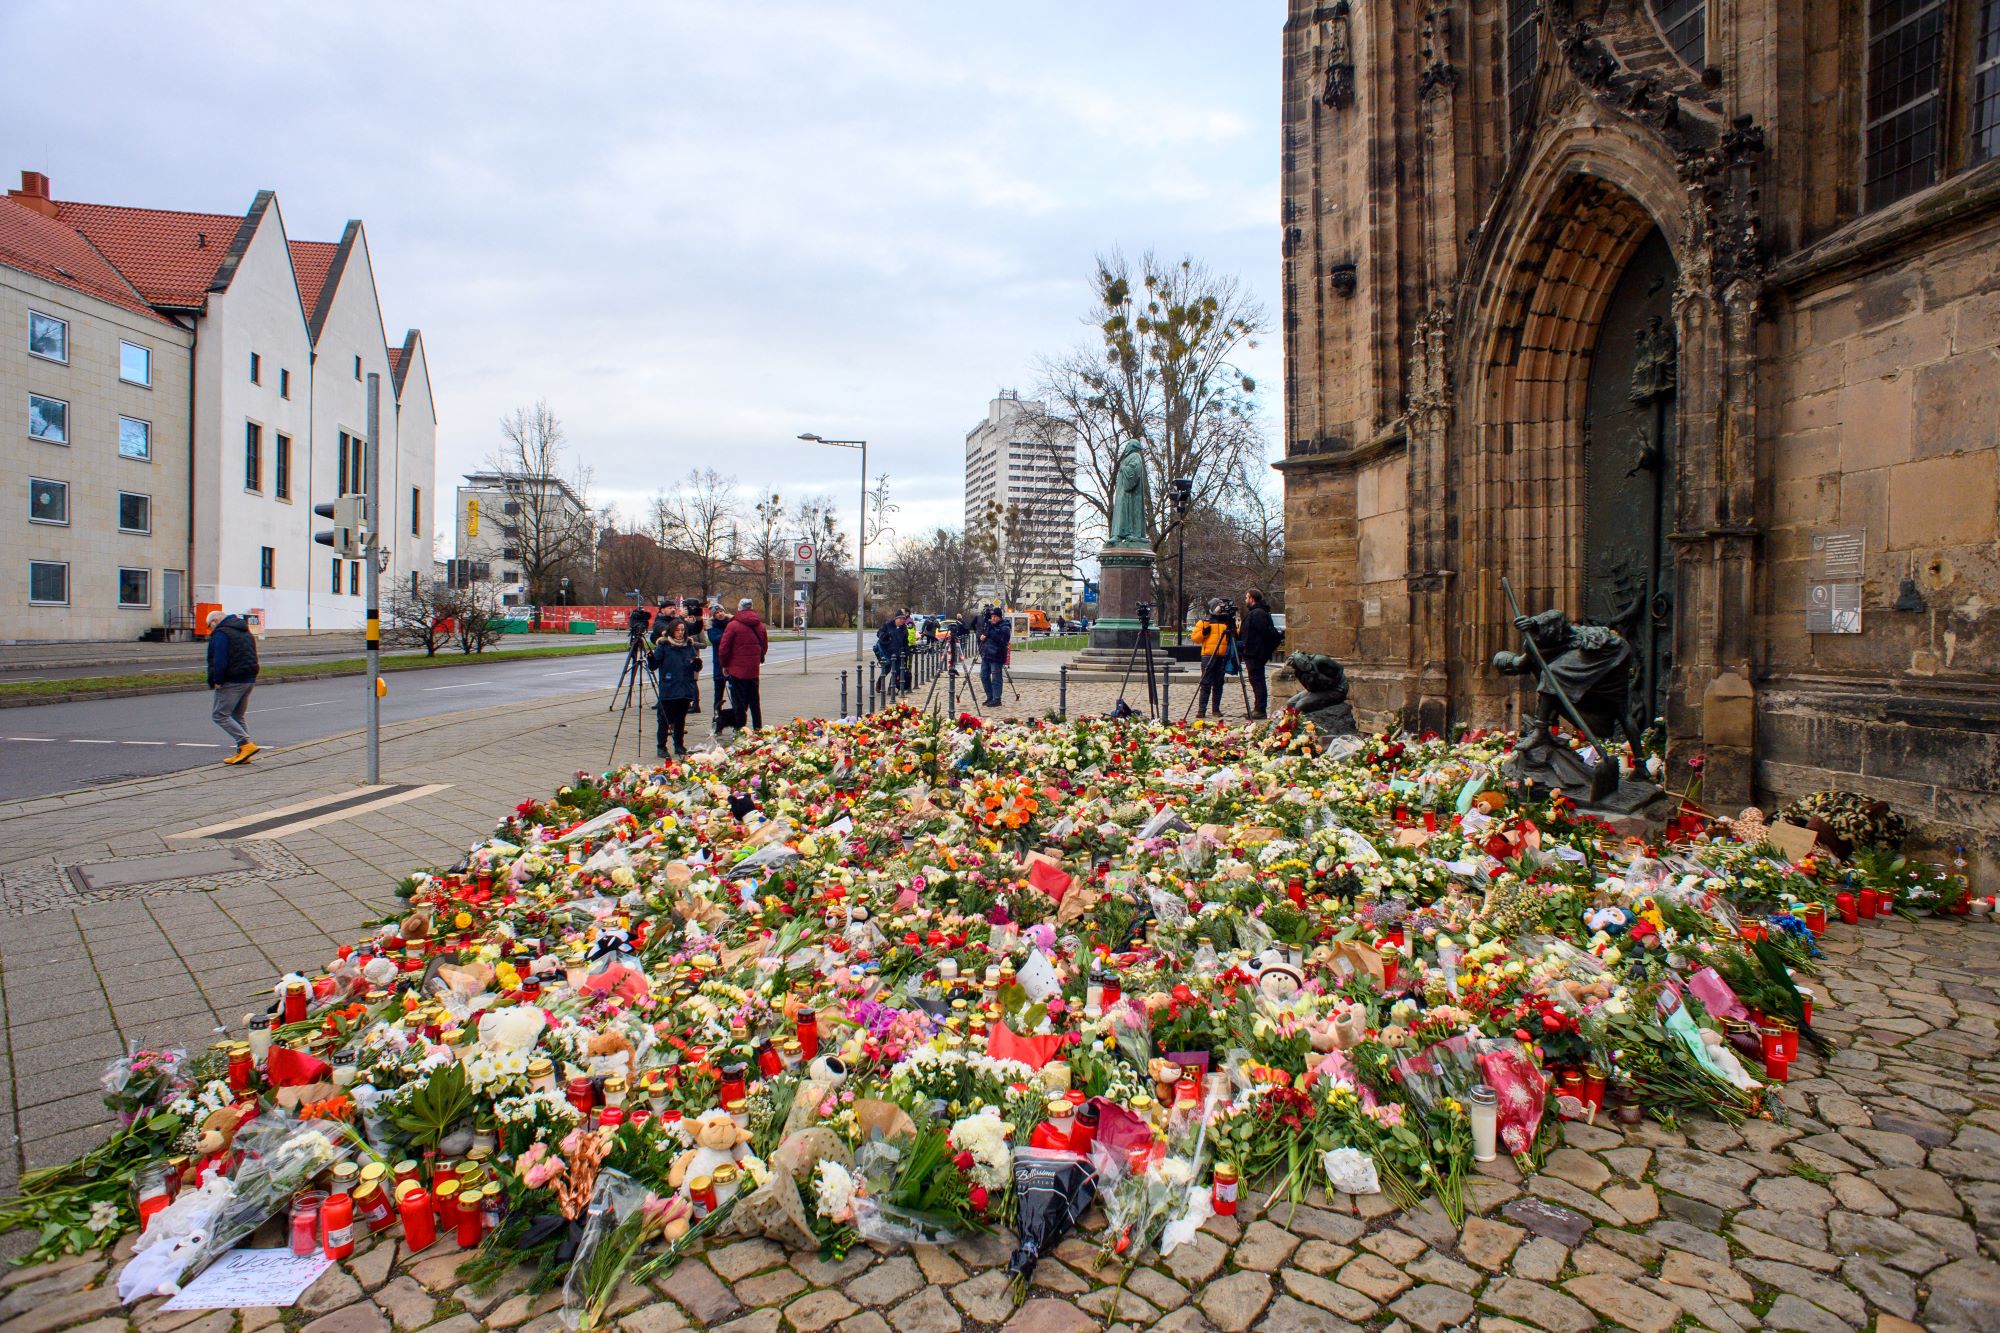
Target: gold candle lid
x: 725, y: 1174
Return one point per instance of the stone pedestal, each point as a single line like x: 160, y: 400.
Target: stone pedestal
x: 1125, y: 580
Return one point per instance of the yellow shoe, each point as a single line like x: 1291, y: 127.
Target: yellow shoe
x: 243, y: 753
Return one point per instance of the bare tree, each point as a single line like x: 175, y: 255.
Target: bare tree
x: 937, y: 572
x: 699, y: 519
x: 1163, y: 371
x: 832, y: 593
x: 1004, y: 545
x: 767, y: 545
x: 547, y: 518
x: 475, y: 614
x: 422, y: 618
x: 629, y: 561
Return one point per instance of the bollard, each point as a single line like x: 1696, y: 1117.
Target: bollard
x: 843, y: 693
x: 1166, y: 696
x: 1062, y: 693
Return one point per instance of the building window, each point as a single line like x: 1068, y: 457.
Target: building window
x: 48, y: 337
x: 256, y: 369
x: 48, y: 501
x: 281, y: 466
x: 357, y: 367
x: 48, y: 419
x: 348, y: 464
x: 253, y: 457
x: 416, y: 511
x: 354, y: 578
x: 1684, y: 23
x: 413, y: 583
x: 1901, y: 111
x: 267, y: 567
x: 284, y: 383
x: 1986, y: 83
x: 48, y: 583
x: 135, y: 587
x: 334, y: 585
x: 511, y: 508
x: 135, y: 364
x: 1524, y: 54
x: 135, y: 512
x: 135, y: 439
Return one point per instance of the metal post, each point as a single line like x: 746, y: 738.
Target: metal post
x: 861, y: 565
x: 1062, y: 692
x: 843, y: 692
x: 370, y: 554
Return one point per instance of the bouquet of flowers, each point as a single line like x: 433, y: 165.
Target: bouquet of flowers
x: 142, y: 1082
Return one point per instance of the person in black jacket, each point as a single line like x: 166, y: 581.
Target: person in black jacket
x: 232, y: 674
x: 1258, y: 639
x: 892, y: 648
x: 676, y: 661
x: 994, y: 637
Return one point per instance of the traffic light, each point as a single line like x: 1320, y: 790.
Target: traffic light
x: 349, y: 535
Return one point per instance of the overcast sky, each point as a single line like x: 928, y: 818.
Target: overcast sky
x: 698, y: 227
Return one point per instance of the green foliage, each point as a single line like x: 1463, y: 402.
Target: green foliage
x: 434, y: 1108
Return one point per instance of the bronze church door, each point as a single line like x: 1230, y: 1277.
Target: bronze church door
x: 1628, y: 462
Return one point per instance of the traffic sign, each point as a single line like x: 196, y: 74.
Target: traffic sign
x: 806, y: 562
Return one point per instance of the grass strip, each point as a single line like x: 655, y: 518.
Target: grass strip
x: 86, y: 685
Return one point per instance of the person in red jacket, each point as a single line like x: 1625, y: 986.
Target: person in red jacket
x: 742, y: 650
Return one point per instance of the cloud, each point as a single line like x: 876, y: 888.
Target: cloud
x: 698, y: 227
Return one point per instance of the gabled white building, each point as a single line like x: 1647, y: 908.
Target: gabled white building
x: 285, y: 334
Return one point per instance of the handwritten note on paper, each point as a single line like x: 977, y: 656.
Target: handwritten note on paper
x: 243, y: 1278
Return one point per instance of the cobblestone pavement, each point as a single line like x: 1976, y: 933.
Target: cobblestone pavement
x: 1872, y: 1202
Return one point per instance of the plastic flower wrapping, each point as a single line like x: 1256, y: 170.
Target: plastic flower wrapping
x: 863, y: 979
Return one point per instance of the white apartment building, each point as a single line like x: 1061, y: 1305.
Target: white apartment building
x: 491, y: 549
x: 284, y: 334
x: 1011, y: 471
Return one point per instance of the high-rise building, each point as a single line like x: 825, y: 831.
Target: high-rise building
x: 1020, y: 505
x: 193, y: 384
x: 504, y: 518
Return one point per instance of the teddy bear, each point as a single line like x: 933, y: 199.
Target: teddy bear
x: 717, y: 1139
x: 610, y: 1053
x: 217, y: 1139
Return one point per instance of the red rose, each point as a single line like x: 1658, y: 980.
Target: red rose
x: 963, y: 1161
x: 977, y: 1194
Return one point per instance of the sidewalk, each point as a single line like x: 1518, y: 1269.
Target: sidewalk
x: 85, y: 971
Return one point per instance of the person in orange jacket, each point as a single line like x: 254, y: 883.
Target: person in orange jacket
x: 1213, y: 632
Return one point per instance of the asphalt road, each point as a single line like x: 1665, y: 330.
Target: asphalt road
x: 60, y: 747
x: 67, y: 661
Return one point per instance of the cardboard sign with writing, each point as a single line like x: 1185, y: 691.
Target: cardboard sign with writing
x: 1793, y: 843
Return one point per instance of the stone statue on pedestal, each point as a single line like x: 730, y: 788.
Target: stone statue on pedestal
x: 1128, y: 499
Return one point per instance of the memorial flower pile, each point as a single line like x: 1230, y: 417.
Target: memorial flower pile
x: 859, y: 979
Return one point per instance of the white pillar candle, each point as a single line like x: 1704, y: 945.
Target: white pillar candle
x: 1484, y: 1109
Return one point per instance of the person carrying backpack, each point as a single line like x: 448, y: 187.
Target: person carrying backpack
x: 1260, y: 638
x: 232, y: 674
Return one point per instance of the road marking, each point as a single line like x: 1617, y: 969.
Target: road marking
x: 197, y: 745
x: 463, y: 685
x: 76, y: 741
x: 142, y: 742
x: 281, y: 708
x: 580, y: 671
x: 291, y: 819
x: 39, y: 740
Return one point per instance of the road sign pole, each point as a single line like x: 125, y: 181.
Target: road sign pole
x: 370, y: 554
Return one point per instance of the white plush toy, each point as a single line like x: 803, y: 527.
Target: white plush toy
x: 717, y: 1139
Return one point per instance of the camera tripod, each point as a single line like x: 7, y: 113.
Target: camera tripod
x: 1242, y: 684
x: 635, y: 678
x: 956, y: 671
x: 1143, y: 642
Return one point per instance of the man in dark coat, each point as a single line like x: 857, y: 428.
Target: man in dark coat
x: 232, y: 674
x: 892, y: 648
x: 1258, y: 638
x: 742, y: 650
x: 994, y: 636
x: 718, y: 621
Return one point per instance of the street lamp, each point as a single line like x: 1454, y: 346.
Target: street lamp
x: 1183, y: 493
x: 860, y: 553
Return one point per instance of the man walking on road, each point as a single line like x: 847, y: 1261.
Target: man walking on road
x: 742, y: 649
x: 232, y: 673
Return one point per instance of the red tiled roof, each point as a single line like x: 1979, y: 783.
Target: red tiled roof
x: 47, y: 248
x: 310, y: 262
x: 396, y: 363
x: 170, y: 257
